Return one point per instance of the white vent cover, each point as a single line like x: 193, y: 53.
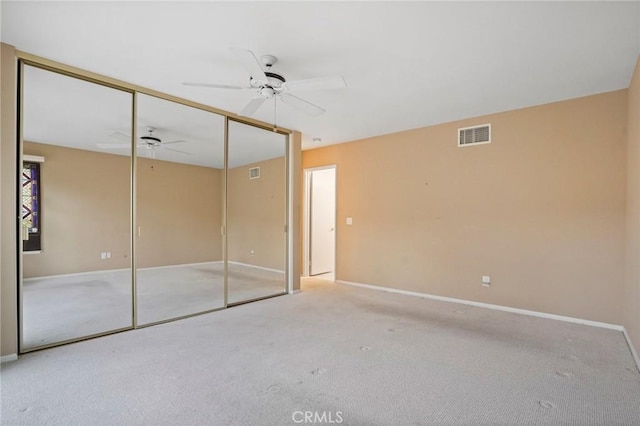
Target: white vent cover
x: 254, y: 173
x: 474, y: 135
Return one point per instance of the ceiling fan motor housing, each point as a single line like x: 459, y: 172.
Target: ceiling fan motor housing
x: 274, y: 81
x: 151, y: 140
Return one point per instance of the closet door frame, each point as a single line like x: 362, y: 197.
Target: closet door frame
x: 134, y: 219
x: 48, y: 66
x: 24, y: 59
x: 287, y: 286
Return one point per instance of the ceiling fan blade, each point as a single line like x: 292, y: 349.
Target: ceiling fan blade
x: 176, y: 141
x: 113, y: 145
x: 251, y: 64
x: 321, y: 83
x: 252, y: 106
x: 215, y: 86
x: 119, y: 135
x: 301, y: 104
x: 174, y: 150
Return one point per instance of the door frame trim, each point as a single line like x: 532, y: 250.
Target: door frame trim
x: 306, y: 216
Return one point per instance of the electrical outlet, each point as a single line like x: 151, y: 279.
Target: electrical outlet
x: 349, y: 221
x: 108, y: 255
x: 252, y: 252
x: 486, y: 280
x: 103, y: 255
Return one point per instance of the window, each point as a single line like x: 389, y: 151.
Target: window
x: 31, y: 226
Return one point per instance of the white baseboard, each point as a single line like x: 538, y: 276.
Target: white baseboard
x: 616, y: 327
x: 182, y: 265
x: 150, y: 268
x: 255, y: 266
x: 73, y: 274
x: 8, y: 358
x: 632, y: 348
x: 489, y: 306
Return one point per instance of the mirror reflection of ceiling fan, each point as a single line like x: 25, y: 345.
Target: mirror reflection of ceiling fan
x: 268, y: 85
x: 150, y: 142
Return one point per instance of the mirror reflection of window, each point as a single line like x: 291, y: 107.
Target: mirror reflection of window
x: 31, y: 211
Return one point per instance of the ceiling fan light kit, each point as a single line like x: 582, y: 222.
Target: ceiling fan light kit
x: 270, y: 85
x: 150, y: 142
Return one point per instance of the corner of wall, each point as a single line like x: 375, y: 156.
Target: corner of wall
x: 632, y: 253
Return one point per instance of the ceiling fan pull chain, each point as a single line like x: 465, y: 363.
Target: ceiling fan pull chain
x: 275, y: 114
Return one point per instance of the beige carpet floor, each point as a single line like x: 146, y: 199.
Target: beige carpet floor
x: 333, y: 352
x: 68, y: 307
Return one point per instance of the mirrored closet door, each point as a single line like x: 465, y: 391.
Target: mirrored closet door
x: 179, y: 208
x: 137, y: 210
x: 75, y: 192
x: 256, y: 212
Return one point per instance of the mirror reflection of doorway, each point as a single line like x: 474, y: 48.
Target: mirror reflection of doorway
x: 321, y: 222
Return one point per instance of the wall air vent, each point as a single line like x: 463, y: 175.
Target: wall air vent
x: 254, y: 173
x: 474, y: 135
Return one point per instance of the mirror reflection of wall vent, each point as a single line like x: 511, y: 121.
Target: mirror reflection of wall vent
x: 474, y: 135
x: 254, y: 173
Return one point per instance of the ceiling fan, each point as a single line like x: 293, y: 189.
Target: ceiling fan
x: 268, y: 85
x: 150, y: 142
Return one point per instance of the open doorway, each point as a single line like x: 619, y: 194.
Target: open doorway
x: 320, y: 222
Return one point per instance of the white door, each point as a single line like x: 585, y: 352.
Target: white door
x: 323, y: 221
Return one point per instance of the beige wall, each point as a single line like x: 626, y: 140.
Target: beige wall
x: 256, y: 212
x: 179, y: 213
x: 632, y: 275
x: 8, y: 272
x: 541, y: 209
x: 85, y: 211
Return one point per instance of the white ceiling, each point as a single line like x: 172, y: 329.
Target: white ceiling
x: 66, y: 111
x: 407, y: 64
